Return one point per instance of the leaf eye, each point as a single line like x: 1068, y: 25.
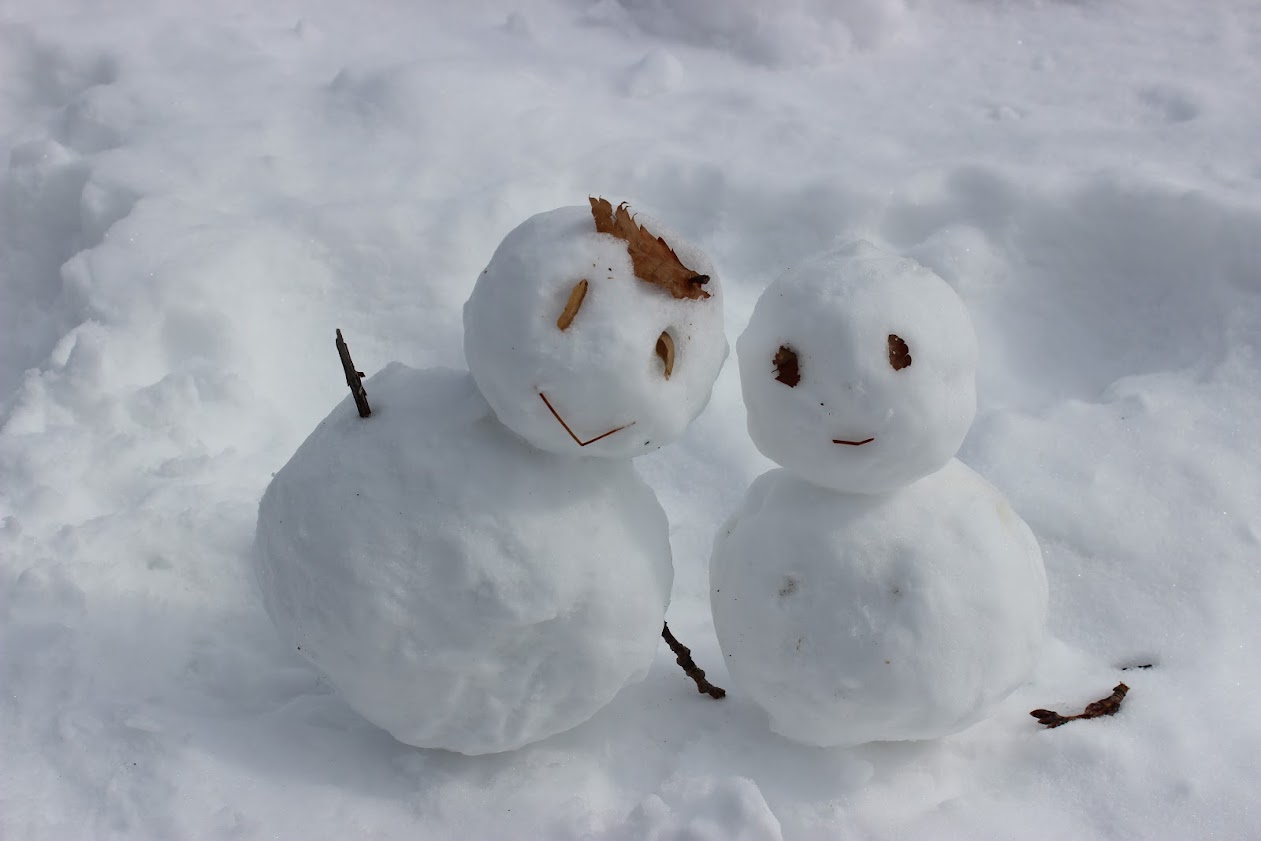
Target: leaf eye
x: 787, y: 369
x: 665, y: 351
x: 899, y: 353
x: 571, y: 306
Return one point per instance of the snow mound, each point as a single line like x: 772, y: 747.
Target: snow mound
x: 600, y: 385
x: 859, y: 370
x: 703, y: 809
x: 854, y: 618
x: 460, y: 589
x: 791, y: 32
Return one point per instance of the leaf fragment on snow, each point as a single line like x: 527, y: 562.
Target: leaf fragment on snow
x: 571, y: 306
x: 665, y: 350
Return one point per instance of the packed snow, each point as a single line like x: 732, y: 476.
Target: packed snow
x: 854, y: 618
x: 858, y: 370
x: 454, y: 566
x: 194, y: 197
x: 565, y: 375
x: 460, y: 588
x: 876, y: 589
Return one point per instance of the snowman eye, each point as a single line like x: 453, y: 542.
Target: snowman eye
x: 899, y: 353
x: 571, y: 306
x: 665, y: 350
x: 787, y: 370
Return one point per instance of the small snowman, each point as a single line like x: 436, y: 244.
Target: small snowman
x: 477, y: 565
x: 874, y: 588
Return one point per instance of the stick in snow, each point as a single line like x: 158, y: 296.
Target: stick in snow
x: 683, y: 656
x: 354, y: 378
x: 1105, y: 706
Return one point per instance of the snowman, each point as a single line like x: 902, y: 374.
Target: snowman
x: 477, y: 565
x: 874, y: 588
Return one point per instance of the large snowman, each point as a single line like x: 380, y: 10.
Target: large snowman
x: 478, y: 565
x: 875, y: 588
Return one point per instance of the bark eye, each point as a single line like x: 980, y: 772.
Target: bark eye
x: 665, y: 351
x: 899, y: 353
x: 787, y: 369
x: 571, y: 306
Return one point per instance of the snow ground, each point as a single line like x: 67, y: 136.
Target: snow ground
x: 193, y: 200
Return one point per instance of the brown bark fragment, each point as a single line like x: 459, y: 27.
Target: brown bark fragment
x: 354, y: 379
x: 899, y: 353
x: 1104, y: 706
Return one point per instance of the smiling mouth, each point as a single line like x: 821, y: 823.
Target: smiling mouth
x: 852, y: 443
x: 578, y: 440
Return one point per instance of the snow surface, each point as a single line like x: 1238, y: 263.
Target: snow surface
x: 193, y: 196
x: 459, y: 587
x: 854, y: 618
x: 879, y: 388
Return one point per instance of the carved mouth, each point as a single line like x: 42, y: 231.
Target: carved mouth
x: 853, y: 443
x: 578, y: 440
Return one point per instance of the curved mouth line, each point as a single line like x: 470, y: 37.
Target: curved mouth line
x: 578, y: 440
x: 853, y: 443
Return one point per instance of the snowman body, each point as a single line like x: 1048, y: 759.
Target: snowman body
x: 854, y: 618
x: 476, y: 586
x: 461, y: 588
x: 876, y: 589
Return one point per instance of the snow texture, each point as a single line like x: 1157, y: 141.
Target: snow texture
x: 704, y: 809
x: 460, y: 588
x: 856, y: 408
x: 855, y: 618
x: 602, y: 371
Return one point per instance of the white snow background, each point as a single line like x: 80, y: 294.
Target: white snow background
x: 194, y: 195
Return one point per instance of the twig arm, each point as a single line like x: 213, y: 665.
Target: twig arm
x: 683, y: 656
x: 354, y: 379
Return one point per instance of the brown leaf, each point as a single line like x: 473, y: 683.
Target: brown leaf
x: 665, y: 350
x: 786, y: 366
x: 571, y: 306
x: 653, y: 259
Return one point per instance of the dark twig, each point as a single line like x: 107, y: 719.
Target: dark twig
x: 1105, y: 706
x: 683, y: 656
x: 578, y: 440
x: 354, y: 378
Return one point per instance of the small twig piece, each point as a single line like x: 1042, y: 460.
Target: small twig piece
x: 578, y: 440
x: 1104, y: 706
x: 683, y: 656
x: 354, y: 378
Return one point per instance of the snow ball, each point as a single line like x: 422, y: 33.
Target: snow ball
x: 615, y: 366
x: 459, y: 588
x: 853, y: 618
x: 858, y: 370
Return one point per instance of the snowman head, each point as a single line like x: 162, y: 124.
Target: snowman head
x: 859, y: 370
x: 597, y: 344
